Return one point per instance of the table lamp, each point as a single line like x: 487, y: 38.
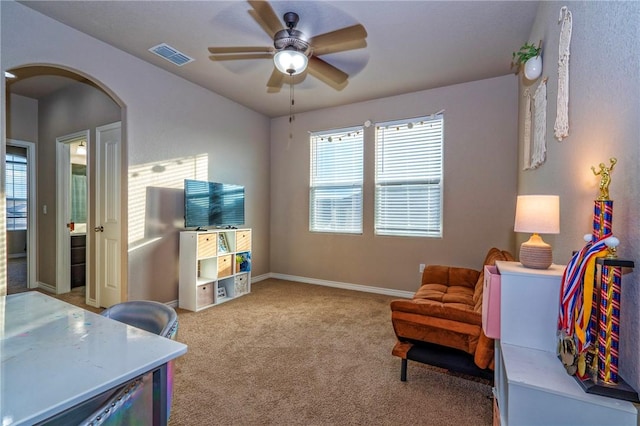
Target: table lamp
x: 538, y: 214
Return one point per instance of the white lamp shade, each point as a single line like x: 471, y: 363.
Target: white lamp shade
x: 538, y: 214
x: 290, y: 61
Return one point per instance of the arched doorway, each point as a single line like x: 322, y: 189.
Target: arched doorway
x: 58, y: 102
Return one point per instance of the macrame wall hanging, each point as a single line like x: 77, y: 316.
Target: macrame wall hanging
x: 526, y: 145
x: 539, y: 151
x: 535, y: 154
x: 561, y: 128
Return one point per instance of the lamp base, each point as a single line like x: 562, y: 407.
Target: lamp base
x: 535, y: 253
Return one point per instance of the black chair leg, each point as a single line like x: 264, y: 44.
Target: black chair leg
x: 403, y: 370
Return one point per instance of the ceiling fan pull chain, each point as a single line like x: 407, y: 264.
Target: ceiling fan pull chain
x: 292, y: 116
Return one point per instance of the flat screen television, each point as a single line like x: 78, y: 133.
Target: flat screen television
x: 212, y: 204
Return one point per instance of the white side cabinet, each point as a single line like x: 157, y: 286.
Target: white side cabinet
x: 215, y: 266
x: 531, y: 385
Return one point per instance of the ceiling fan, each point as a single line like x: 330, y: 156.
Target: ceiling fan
x: 293, y: 52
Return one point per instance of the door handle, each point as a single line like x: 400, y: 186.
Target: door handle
x: 99, y: 228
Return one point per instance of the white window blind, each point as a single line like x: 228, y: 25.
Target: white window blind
x: 16, y: 191
x: 335, y: 193
x: 408, y: 195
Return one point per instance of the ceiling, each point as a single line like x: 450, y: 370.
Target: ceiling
x: 411, y: 45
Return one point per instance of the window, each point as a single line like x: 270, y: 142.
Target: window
x: 16, y: 191
x: 408, y: 194
x: 335, y: 193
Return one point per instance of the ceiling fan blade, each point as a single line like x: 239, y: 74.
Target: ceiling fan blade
x: 344, y: 35
x: 241, y: 49
x: 327, y: 72
x: 265, y: 16
x: 275, y: 81
x: 340, y: 47
x: 236, y: 56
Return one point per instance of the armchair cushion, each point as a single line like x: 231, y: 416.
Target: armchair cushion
x: 447, y: 310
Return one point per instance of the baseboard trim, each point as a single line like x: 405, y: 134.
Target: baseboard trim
x: 346, y: 286
x: 259, y: 278
x: 46, y: 287
x: 335, y: 284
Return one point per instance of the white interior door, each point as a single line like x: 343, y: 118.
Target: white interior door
x: 108, y: 224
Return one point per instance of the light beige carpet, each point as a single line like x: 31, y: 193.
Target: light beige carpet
x: 299, y: 354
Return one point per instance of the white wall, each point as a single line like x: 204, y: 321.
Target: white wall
x: 604, y: 111
x: 480, y: 147
x: 23, y: 126
x: 166, y: 120
x: 22, y: 122
x: 74, y: 108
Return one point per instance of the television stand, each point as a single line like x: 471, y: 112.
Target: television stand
x: 215, y: 267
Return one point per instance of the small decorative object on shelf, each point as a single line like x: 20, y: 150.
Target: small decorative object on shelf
x: 222, y: 292
x: 223, y: 246
x: 243, y: 262
x: 528, y: 57
x: 589, y: 320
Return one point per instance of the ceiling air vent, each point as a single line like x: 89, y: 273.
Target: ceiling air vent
x: 170, y: 54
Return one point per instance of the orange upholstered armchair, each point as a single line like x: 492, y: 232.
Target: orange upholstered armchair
x: 446, y: 313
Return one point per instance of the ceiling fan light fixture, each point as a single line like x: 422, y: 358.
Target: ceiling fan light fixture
x: 290, y: 61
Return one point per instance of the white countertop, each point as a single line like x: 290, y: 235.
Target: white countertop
x: 55, y: 355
